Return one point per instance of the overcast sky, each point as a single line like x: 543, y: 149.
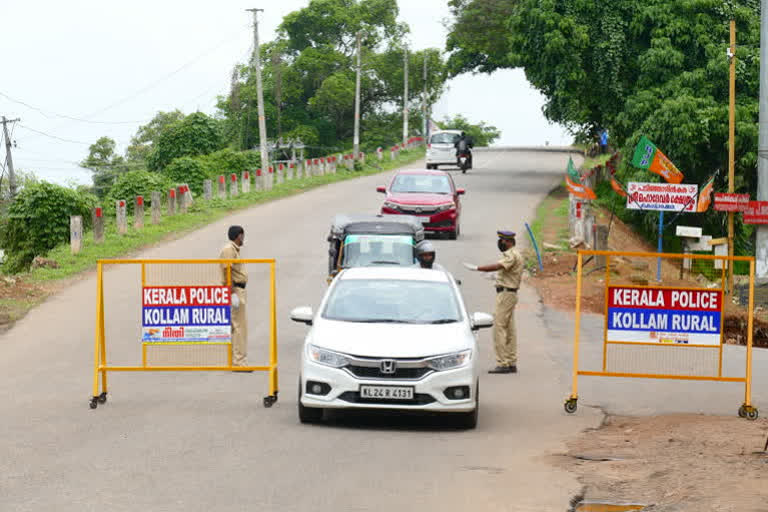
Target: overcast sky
x: 116, y: 64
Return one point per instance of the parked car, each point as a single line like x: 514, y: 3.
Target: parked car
x: 430, y: 195
x: 363, y: 240
x: 441, y: 149
x: 391, y: 338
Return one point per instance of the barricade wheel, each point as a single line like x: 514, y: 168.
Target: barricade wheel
x: 103, y: 398
x: 743, y: 411
x: 752, y: 414
x: 94, y: 402
x: 571, y: 405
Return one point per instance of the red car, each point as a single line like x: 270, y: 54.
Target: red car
x: 430, y: 195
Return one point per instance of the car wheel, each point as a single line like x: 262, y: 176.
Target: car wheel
x: 468, y: 420
x: 308, y: 414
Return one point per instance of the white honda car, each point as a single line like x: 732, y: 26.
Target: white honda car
x: 441, y: 149
x: 391, y: 338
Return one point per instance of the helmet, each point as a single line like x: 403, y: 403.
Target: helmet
x: 425, y: 253
x: 463, y: 134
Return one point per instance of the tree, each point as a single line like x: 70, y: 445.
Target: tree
x: 148, y: 134
x: 482, y: 134
x: 105, y: 164
x: 196, y: 134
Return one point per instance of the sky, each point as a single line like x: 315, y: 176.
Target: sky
x: 78, y: 70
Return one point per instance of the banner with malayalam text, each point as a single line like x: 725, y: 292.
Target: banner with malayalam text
x: 661, y: 196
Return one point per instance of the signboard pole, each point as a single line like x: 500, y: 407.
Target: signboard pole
x: 660, y: 249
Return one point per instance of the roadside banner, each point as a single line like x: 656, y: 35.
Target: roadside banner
x: 664, y: 316
x: 573, y: 183
x: 647, y: 156
x: 189, y: 314
x: 731, y: 202
x: 662, y: 197
x: 756, y: 213
x: 705, y: 196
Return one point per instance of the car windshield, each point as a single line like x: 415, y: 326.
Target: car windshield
x: 444, y: 138
x: 421, y: 184
x: 392, y: 301
x: 367, y: 250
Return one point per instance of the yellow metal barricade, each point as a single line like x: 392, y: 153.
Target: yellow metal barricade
x: 211, y: 351
x: 662, y: 319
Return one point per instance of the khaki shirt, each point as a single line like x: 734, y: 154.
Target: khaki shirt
x: 232, y: 252
x: 511, y: 271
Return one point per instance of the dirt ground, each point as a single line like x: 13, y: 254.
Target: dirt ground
x: 669, y: 463
x: 17, y: 295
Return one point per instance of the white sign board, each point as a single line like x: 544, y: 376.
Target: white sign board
x: 700, y: 245
x: 688, y: 231
x: 661, y: 196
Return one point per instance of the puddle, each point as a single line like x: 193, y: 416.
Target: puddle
x: 593, y: 506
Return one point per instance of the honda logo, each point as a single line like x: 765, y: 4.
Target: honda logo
x: 388, y: 366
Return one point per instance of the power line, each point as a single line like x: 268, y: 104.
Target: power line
x: 54, y: 136
x: 64, y: 116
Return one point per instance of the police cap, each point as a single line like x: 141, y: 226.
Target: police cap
x: 506, y: 235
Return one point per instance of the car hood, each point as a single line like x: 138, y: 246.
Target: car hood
x: 391, y: 340
x: 424, y: 199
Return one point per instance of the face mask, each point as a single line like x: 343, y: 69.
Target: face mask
x: 501, y: 245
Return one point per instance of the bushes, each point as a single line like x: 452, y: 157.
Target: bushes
x: 227, y: 161
x: 197, y: 134
x: 38, y: 221
x: 187, y: 170
x: 136, y: 183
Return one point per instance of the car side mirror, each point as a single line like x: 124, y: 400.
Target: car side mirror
x: 302, y: 315
x: 381, y: 190
x: 481, y: 321
x: 461, y: 191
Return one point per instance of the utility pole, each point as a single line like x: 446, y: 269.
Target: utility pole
x: 405, y: 97
x: 731, y: 148
x: 761, y: 245
x: 356, y: 139
x: 424, y: 102
x: 260, y: 95
x: 8, y: 157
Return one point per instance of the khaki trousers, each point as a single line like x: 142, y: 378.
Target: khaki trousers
x: 504, y: 334
x: 240, y: 331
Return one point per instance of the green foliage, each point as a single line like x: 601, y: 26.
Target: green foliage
x: 105, y: 164
x: 227, y: 161
x: 185, y: 169
x: 148, y: 134
x: 136, y: 183
x: 482, y: 134
x: 38, y: 221
x: 196, y: 134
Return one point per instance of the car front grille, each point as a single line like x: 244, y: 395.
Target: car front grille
x: 418, y: 210
x: 374, y: 372
x: 418, y: 399
x: 442, y: 224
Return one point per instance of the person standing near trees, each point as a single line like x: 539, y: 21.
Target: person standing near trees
x: 510, y: 272
x: 231, y: 251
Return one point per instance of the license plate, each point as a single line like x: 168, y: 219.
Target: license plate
x: 387, y: 392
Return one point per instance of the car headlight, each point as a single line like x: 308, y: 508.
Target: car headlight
x: 327, y: 357
x: 391, y: 205
x: 451, y: 361
x: 446, y: 207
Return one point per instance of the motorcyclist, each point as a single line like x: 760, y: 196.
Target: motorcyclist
x: 464, y: 144
x: 425, y: 254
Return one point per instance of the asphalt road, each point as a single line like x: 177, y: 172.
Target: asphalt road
x: 202, y: 441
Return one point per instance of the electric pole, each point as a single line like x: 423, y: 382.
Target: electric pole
x: 731, y: 147
x: 8, y: 157
x: 761, y: 245
x: 356, y: 139
x: 405, y: 97
x: 424, y: 102
x: 260, y: 96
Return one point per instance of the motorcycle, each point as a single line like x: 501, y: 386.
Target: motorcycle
x: 463, y: 161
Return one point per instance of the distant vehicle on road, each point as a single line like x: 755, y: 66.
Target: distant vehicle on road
x: 391, y: 338
x: 429, y: 195
x: 441, y: 149
x: 366, y: 240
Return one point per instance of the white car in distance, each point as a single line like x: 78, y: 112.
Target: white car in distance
x: 396, y: 338
x: 441, y: 149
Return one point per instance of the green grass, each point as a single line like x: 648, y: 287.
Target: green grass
x: 589, y: 163
x: 545, y: 213
x: 200, y: 214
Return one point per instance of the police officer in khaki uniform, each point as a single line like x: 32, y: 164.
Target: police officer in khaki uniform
x: 231, y: 251
x: 509, y: 273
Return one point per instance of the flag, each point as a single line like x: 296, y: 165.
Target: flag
x: 573, y: 183
x: 617, y: 187
x: 705, y: 196
x: 647, y: 156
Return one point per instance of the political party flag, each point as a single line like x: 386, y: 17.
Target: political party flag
x: 617, y: 187
x: 647, y: 156
x: 573, y: 183
x: 705, y: 196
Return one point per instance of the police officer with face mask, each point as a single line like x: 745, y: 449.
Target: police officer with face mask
x: 509, y: 273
